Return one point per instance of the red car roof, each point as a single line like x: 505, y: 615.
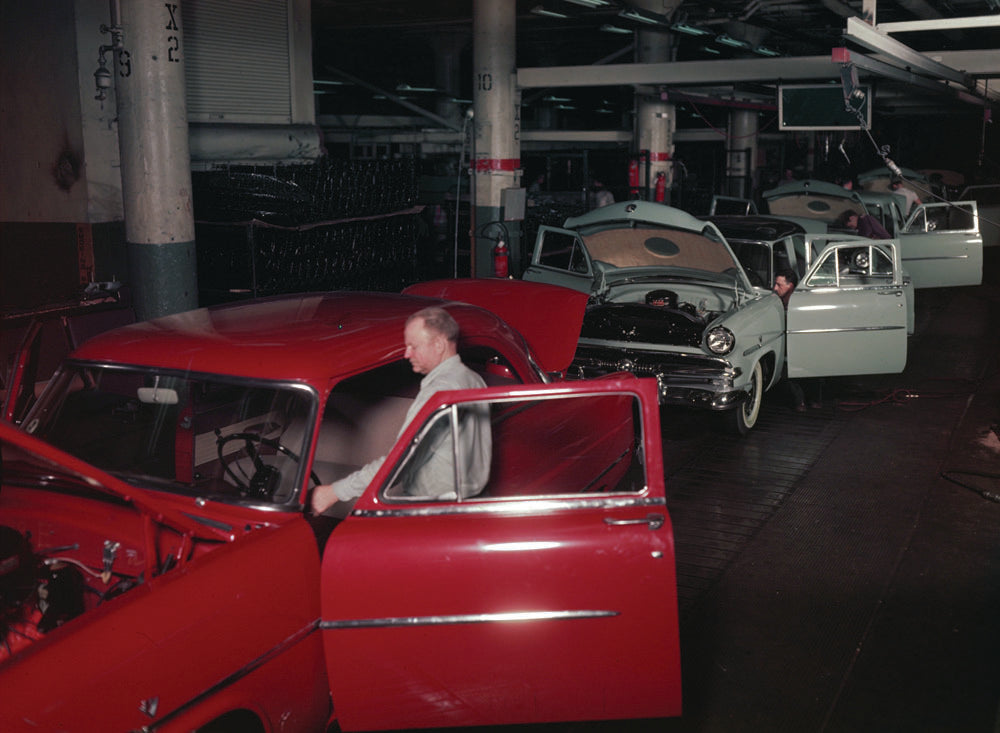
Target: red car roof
x: 305, y: 337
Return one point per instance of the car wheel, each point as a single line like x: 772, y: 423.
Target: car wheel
x: 744, y: 417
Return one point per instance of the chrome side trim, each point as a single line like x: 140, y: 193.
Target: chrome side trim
x: 513, y: 505
x: 231, y: 679
x: 470, y: 618
x: 854, y: 329
x: 937, y: 257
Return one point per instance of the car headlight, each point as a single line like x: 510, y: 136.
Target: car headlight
x: 720, y: 340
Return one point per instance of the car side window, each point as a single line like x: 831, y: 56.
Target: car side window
x: 555, y: 446
x: 826, y: 273
x: 562, y: 251
x: 852, y: 266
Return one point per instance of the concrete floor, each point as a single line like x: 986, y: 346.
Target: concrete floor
x: 839, y: 569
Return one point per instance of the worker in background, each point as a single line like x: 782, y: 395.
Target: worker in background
x: 866, y: 225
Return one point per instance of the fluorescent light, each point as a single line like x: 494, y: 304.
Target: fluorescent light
x: 709, y: 49
x: 330, y: 82
x: 553, y: 98
x: 615, y: 29
x: 408, y: 88
x: 590, y: 3
x: 730, y: 41
x: 565, y: 106
x: 632, y: 14
x: 691, y: 30
x: 539, y: 10
x: 763, y: 51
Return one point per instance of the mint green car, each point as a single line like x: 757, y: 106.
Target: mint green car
x: 939, y: 241
x: 670, y: 299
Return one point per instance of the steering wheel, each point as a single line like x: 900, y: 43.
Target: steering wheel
x: 266, y: 478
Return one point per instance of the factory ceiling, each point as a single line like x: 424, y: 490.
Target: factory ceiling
x: 577, y: 54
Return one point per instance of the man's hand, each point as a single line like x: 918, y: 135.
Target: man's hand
x: 323, y: 498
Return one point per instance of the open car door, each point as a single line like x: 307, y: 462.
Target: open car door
x: 941, y: 245
x: 848, y: 315
x: 560, y: 258
x: 549, y: 594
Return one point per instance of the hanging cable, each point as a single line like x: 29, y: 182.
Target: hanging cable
x: 458, y: 188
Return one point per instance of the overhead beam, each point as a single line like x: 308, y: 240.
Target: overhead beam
x: 678, y: 72
x: 888, y: 71
x: 978, y: 63
x: 864, y: 35
x: 940, y: 24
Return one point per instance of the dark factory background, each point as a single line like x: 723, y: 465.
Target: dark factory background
x: 328, y: 143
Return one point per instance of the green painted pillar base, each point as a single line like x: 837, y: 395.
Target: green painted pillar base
x: 163, y: 277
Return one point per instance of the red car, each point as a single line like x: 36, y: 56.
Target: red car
x: 159, y: 569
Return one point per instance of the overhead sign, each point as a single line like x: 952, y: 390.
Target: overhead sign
x: 822, y: 107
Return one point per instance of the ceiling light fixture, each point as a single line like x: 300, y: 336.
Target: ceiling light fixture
x: 730, y: 41
x: 709, y: 49
x: 553, y: 98
x: 330, y: 82
x: 691, y: 30
x: 607, y: 28
x: 590, y: 3
x: 539, y: 10
x: 764, y: 51
x: 640, y: 17
x: 408, y: 88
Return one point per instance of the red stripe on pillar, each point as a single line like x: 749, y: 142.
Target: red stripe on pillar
x: 484, y: 165
x: 659, y: 157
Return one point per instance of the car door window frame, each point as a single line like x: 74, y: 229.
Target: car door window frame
x: 579, y: 260
x: 885, y: 249
x: 385, y: 488
x: 919, y: 221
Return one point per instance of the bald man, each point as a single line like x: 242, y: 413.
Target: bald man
x: 431, y: 340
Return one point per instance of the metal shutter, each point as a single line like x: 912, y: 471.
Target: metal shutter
x: 237, y: 62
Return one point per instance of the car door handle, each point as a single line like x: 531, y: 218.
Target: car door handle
x: 655, y: 521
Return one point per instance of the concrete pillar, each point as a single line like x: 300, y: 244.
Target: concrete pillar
x: 656, y: 118
x: 742, y: 157
x: 497, y: 123
x: 155, y: 159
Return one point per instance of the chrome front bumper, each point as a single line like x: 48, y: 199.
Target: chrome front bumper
x: 690, y: 380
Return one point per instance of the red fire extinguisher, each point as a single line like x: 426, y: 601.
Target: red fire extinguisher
x: 660, y: 192
x: 501, y: 255
x: 633, y: 178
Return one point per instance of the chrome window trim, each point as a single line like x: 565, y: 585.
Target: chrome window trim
x: 465, y: 618
x: 515, y: 506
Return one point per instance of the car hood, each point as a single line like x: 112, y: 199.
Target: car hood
x: 57, y: 467
x: 549, y: 317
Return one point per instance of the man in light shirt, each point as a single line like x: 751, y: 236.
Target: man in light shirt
x: 431, y: 339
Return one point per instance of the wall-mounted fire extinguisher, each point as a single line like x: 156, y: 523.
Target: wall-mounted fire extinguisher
x: 633, y: 178
x: 501, y: 256
x: 660, y: 192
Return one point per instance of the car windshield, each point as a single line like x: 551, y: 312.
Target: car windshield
x: 202, y: 435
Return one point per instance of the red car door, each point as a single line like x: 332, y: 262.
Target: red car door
x: 550, y: 595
